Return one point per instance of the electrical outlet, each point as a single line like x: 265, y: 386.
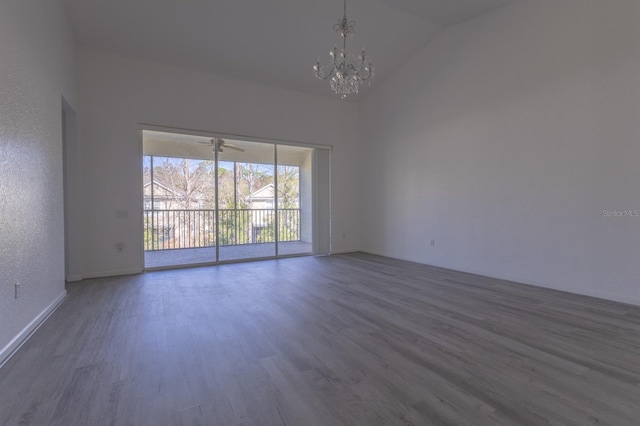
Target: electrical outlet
x: 17, y: 290
x: 433, y: 243
x: 120, y: 246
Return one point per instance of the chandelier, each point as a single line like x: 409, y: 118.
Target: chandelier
x: 347, y: 71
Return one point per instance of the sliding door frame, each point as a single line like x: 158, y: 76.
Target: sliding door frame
x: 275, y: 142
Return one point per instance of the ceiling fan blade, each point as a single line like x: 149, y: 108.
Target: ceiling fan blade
x: 234, y: 147
x: 209, y: 142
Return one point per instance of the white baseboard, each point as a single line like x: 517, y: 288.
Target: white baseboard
x: 74, y: 278
x: 345, y: 251
x: 114, y: 273
x: 398, y: 257
x: 15, y: 344
x: 589, y: 293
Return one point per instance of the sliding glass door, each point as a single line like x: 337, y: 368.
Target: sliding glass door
x: 210, y: 199
x: 179, y: 223
x: 294, y: 199
x: 246, y: 200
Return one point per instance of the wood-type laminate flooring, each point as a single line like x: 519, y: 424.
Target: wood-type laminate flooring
x: 341, y: 340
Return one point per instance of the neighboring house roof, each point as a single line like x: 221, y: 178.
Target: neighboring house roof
x: 165, y: 192
x: 267, y: 192
x: 264, y: 197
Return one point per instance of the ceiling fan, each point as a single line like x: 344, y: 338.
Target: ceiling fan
x: 219, y: 144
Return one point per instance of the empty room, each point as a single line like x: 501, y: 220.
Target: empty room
x: 340, y: 212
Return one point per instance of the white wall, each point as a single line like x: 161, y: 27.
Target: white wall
x: 117, y: 93
x: 505, y: 139
x: 36, y: 69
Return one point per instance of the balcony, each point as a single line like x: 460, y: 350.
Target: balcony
x: 180, y: 237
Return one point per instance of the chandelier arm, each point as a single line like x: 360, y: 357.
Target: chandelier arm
x: 350, y: 67
x: 322, y: 76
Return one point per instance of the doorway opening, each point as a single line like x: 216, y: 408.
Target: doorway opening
x: 209, y: 200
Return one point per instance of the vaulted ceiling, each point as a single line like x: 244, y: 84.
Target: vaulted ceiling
x: 274, y: 42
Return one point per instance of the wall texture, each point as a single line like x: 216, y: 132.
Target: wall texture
x: 36, y: 70
x: 510, y: 142
x: 117, y: 93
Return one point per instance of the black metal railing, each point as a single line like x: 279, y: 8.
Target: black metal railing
x: 180, y: 229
